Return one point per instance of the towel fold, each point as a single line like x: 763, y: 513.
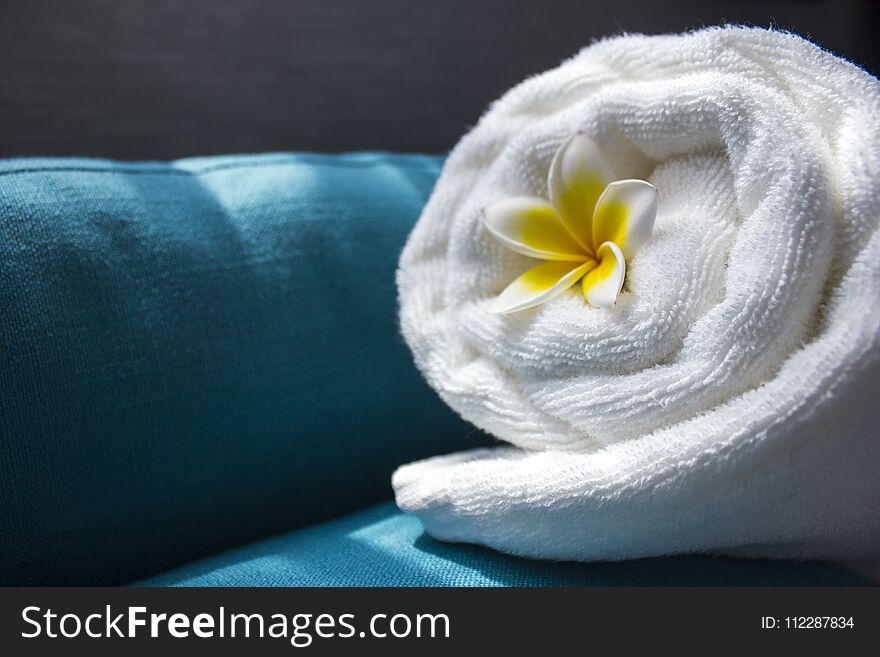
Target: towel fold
x: 728, y: 403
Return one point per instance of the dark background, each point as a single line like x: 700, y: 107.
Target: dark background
x: 142, y: 79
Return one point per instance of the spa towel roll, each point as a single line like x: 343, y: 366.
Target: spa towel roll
x: 728, y: 402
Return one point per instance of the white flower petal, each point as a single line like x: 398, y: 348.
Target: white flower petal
x: 530, y: 226
x: 540, y: 284
x: 625, y: 215
x: 603, y: 284
x: 578, y: 175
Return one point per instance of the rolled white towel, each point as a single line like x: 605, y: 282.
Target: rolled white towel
x: 729, y: 401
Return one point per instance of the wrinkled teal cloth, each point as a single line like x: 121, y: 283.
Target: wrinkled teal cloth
x: 198, y: 354
x: 380, y: 546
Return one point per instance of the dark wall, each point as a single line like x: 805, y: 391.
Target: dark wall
x: 139, y: 79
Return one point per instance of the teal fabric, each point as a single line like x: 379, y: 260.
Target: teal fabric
x: 382, y: 547
x: 197, y: 354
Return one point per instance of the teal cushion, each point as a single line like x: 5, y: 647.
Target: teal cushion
x: 383, y: 547
x: 200, y: 353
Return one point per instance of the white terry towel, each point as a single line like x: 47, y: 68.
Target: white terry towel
x: 729, y: 402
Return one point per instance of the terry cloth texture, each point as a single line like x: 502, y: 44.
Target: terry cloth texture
x: 197, y: 354
x: 380, y: 546
x: 729, y: 402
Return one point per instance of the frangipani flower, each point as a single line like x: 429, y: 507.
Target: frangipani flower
x: 586, y: 232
